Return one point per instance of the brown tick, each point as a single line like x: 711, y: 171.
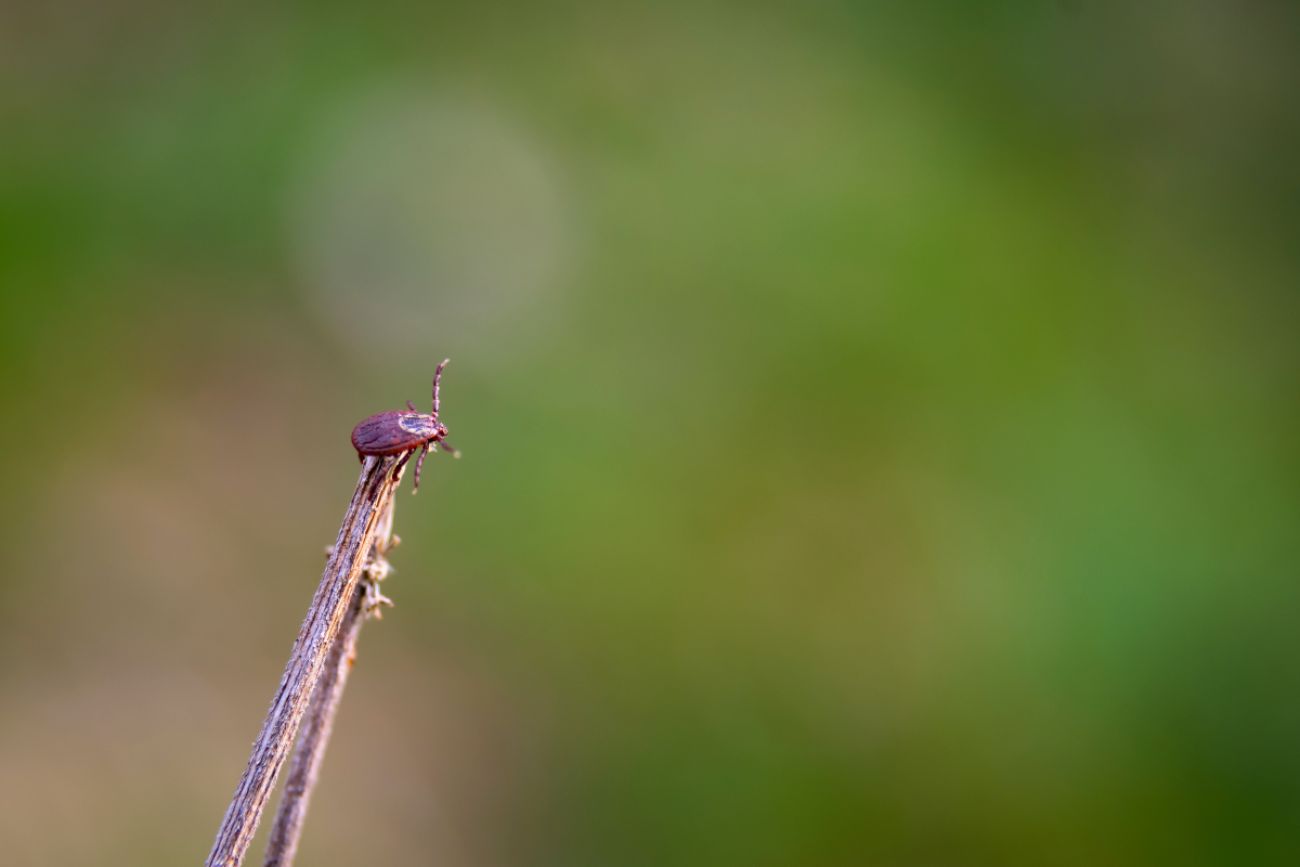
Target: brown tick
x: 395, y: 432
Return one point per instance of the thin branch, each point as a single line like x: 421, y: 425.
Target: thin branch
x: 313, y: 738
x: 316, y: 638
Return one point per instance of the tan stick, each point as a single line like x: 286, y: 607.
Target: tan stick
x: 316, y: 638
x: 304, y: 766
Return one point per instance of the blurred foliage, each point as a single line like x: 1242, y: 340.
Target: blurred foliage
x: 879, y: 424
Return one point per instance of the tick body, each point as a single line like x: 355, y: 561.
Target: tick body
x: 403, y: 432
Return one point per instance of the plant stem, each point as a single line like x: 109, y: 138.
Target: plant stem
x: 304, y: 767
x: 316, y: 638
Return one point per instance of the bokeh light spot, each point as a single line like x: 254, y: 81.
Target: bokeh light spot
x: 423, y: 216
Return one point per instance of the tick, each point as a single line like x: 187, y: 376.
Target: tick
x: 396, y: 432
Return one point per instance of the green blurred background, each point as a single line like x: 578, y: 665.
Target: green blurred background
x: 879, y: 420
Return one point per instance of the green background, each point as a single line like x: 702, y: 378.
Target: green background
x: 879, y: 427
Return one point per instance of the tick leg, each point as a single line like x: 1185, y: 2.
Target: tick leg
x: 398, y: 469
x: 437, y: 381
x: 419, y: 465
x: 411, y: 406
x: 449, y: 448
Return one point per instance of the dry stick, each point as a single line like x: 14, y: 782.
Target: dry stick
x: 314, y: 736
x: 315, y: 639
x: 312, y: 740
